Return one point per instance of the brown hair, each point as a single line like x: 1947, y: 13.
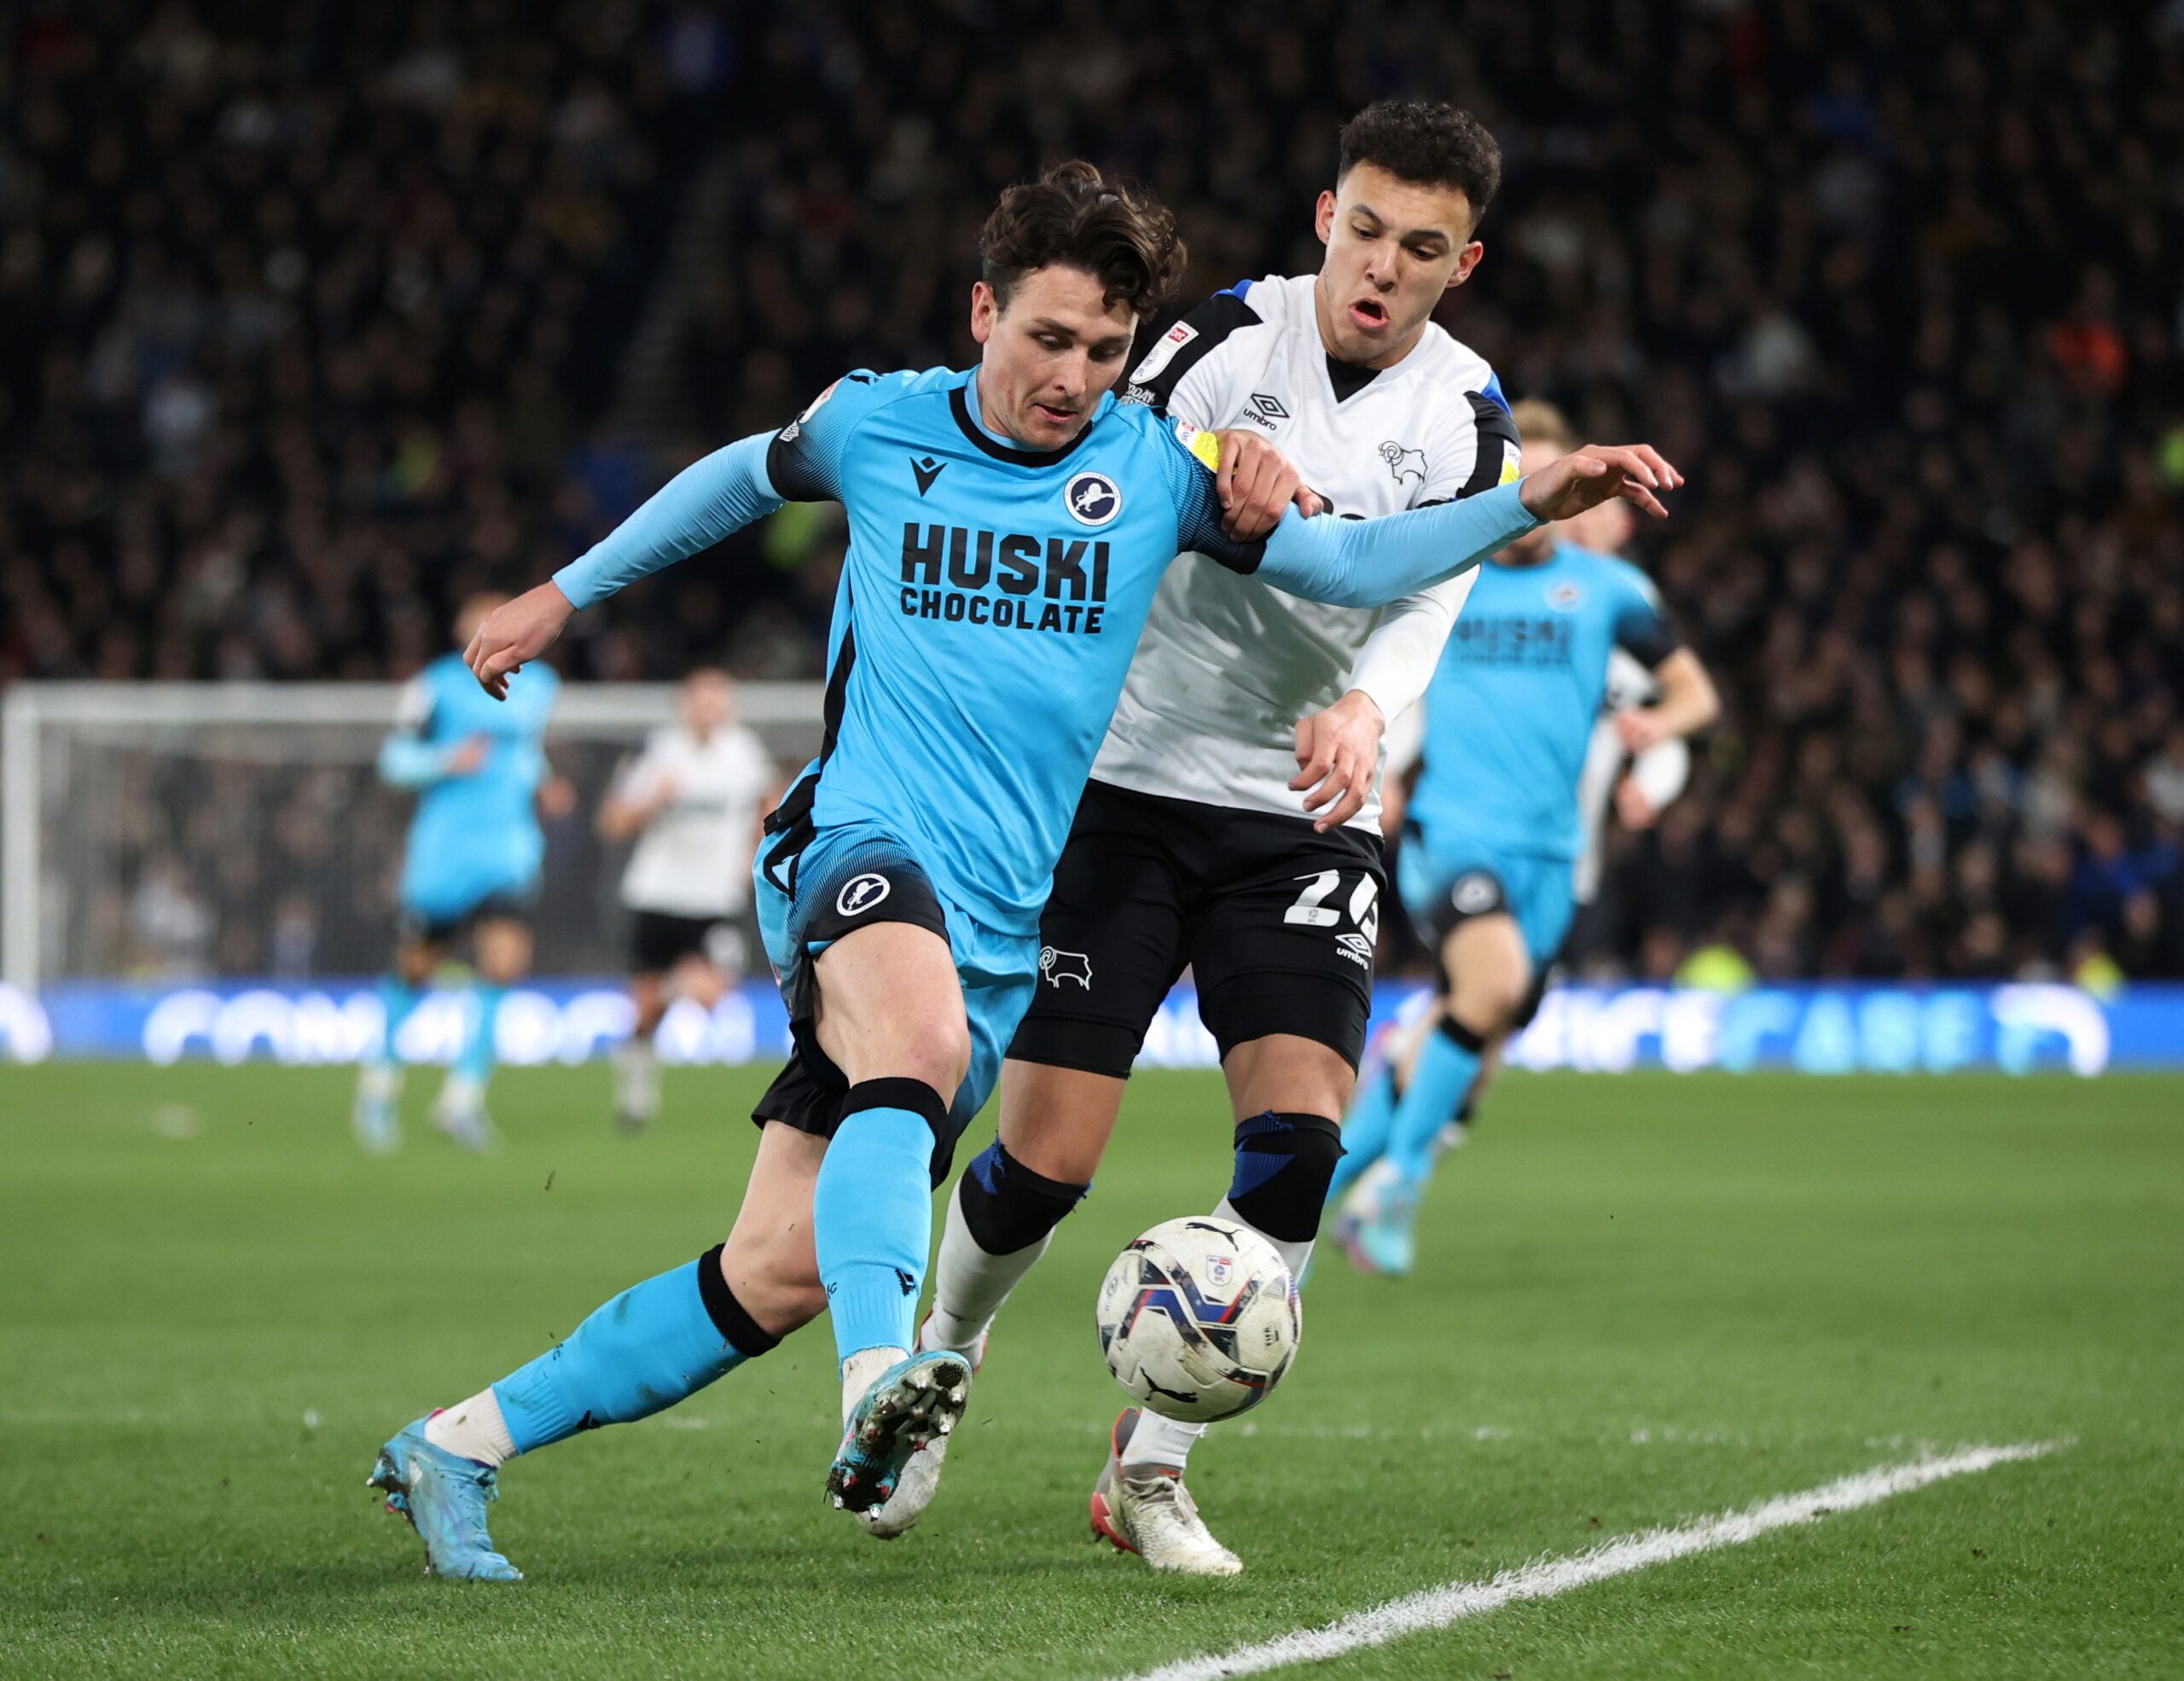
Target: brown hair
x: 1117, y: 233
x: 1541, y: 422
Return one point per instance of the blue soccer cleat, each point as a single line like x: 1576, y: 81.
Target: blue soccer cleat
x: 1381, y: 1237
x: 916, y: 1401
x: 444, y: 1497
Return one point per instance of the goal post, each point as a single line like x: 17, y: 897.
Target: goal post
x: 150, y: 830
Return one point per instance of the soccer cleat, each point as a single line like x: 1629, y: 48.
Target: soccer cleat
x: 915, y: 1401
x: 1150, y: 1513
x: 1382, y: 1239
x: 374, y: 1119
x: 636, y: 1087
x: 460, y: 1113
x: 444, y: 1496
x: 898, y: 1515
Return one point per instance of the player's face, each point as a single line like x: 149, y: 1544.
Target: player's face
x: 1535, y: 546
x: 1394, y: 247
x: 1050, y: 355
x: 708, y: 702
x: 1605, y: 529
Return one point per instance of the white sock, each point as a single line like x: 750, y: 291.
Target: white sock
x: 859, y: 1371
x: 1296, y: 1254
x: 1158, y: 1443
x: 381, y: 1082
x: 1162, y: 1441
x: 968, y: 1284
x: 461, y: 1094
x: 473, y: 1429
x: 636, y: 1078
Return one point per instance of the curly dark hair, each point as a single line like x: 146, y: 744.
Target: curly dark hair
x: 1115, y: 231
x: 1425, y: 141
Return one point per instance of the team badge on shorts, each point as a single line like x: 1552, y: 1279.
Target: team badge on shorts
x: 1093, y: 499
x: 1059, y: 966
x: 1475, y: 894
x: 860, y: 892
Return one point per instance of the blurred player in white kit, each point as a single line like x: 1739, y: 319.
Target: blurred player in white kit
x: 692, y: 799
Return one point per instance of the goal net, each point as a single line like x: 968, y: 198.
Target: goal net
x: 170, y: 831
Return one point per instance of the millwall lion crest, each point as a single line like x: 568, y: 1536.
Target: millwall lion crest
x: 1404, y: 463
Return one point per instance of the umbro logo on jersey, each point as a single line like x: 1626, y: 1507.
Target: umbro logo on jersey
x: 1059, y: 966
x: 1265, y: 411
x: 1092, y: 498
x: 860, y: 892
x: 1356, y: 948
x: 926, y: 471
x: 1402, y: 462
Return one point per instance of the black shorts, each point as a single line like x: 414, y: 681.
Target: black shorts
x: 412, y: 924
x: 1277, y: 923
x: 659, y: 940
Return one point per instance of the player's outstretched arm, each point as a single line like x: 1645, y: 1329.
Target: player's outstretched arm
x: 1371, y: 562
x: 693, y: 510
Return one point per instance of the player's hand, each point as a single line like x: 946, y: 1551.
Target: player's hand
x: 1598, y: 473
x: 1256, y: 484
x: 1633, y: 809
x: 467, y: 755
x: 1640, y: 729
x: 557, y: 797
x: 1338, y: 755
x: 515, y: 634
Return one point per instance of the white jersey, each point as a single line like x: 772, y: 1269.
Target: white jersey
x: 1227, y: 665
x: 694, y: 858
x: 1661, y: 770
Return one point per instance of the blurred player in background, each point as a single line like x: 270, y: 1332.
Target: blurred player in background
x: 1193, y: 845
x: 692, y: 799
x: 471, y: 868
x: 1494, y: 830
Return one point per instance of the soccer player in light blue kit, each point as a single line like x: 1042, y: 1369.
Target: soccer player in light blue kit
x: 472, y: 865
x: 1493, y: 829
x: 1009, y: 527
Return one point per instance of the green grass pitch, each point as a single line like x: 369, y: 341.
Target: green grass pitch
x: 1640, y: 1299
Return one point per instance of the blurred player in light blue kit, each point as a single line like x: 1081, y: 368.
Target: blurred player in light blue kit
x: 471, y: 866
x: 1492, y: 832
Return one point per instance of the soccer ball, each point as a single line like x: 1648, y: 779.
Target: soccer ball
x: 1198, y: 1319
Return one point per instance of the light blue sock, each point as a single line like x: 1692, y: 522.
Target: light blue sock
x: 1366, y: 1130
x: 1447, y: 1065
x: 872, y: 1214
x: 397, y: 1002
x: 477, y: 1056
x: 653, y: 1345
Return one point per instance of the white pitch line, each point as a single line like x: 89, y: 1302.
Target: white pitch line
x: 1438, y: 1608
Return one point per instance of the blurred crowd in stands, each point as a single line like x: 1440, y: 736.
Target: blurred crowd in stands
x: 309, y: 324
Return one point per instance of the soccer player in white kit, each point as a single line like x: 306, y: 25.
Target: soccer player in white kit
x: 1231, y: 823
x: 692, y: 799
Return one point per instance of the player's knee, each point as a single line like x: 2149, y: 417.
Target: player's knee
x: 1488, y: 1003
x: 413, y: 962
x: 937, y: 1053
x: 1284, y: 1164
x: 1006, y: 1206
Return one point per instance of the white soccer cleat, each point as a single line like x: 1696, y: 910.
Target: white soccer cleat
x: 1149, y: 1512
x: 898, y: 1515
x: 459, y: 1111
x: 375, y: 1119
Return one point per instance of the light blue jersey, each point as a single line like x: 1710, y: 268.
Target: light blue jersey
x: 990, y: 603
x: 1510, y: 712
x: 476, y: 834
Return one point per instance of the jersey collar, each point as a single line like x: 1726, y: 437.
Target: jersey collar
x: 960, y: 406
